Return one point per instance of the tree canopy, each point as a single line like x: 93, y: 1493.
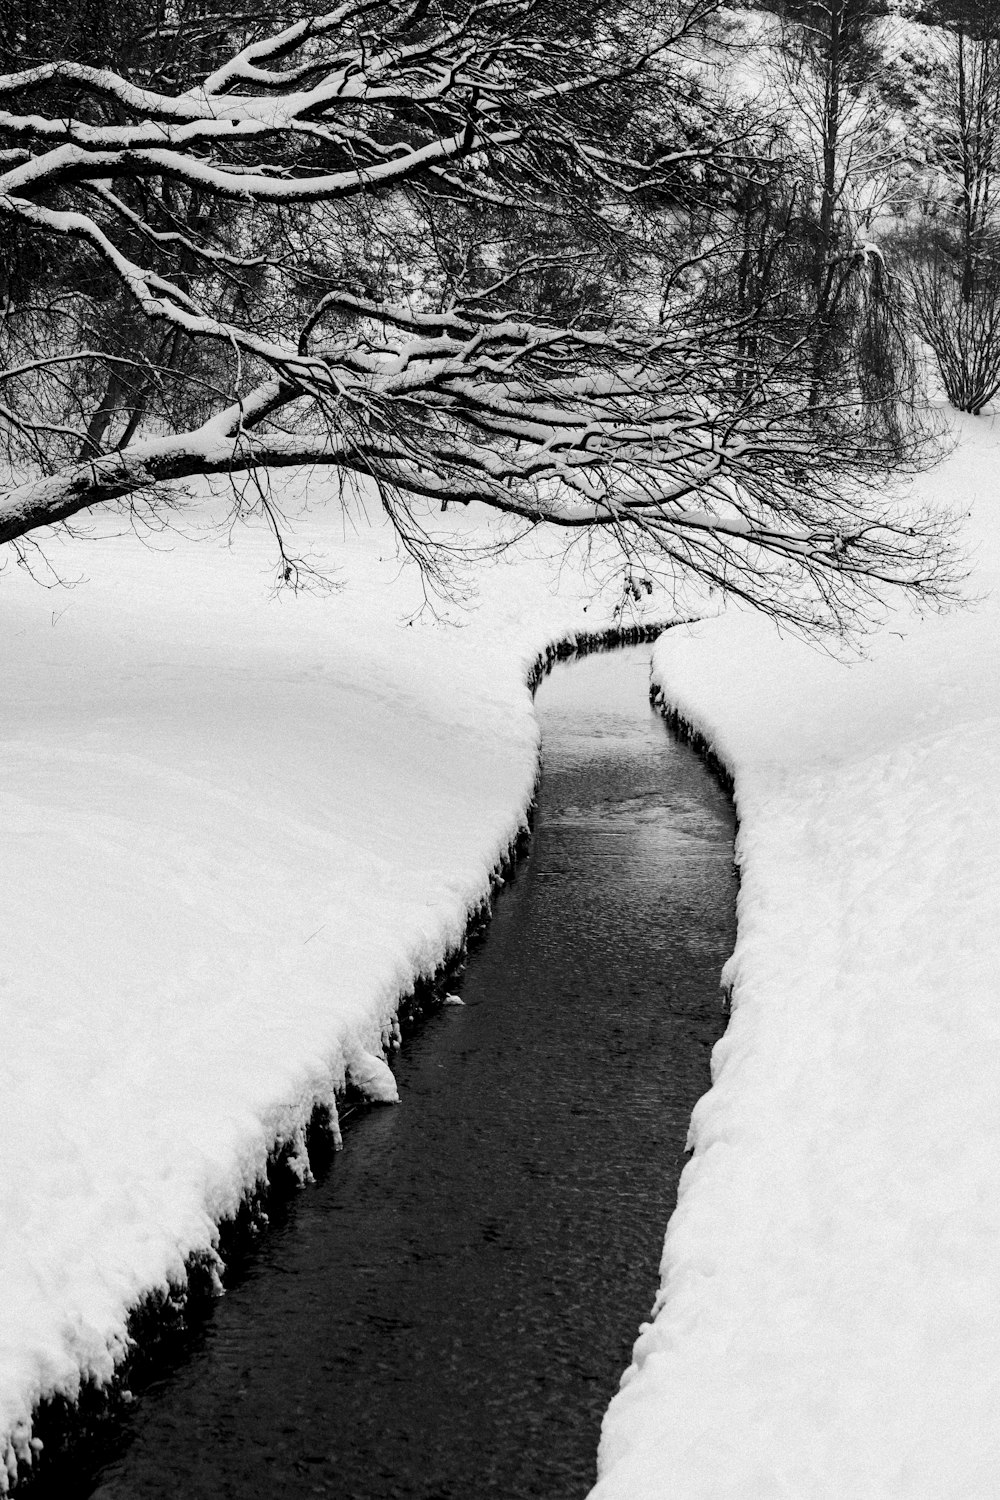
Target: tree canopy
x: 508, y: 251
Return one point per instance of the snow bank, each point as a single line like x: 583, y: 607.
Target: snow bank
x: 828, y: 1324
x: 235, y: 830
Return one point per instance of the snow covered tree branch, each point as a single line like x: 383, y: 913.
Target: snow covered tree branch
x: 475, y: 252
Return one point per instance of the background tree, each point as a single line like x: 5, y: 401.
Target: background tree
x: 953, y: 248
x: 460, y: 251
x: 831, y: 49
x: 832, y: 56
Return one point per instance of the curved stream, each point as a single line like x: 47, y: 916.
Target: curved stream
x: 446, y: 1314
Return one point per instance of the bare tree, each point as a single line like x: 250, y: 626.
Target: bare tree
x: 954, y: 249
x: 831, y: 52
x: 464, y: 252
x: 832, y: 66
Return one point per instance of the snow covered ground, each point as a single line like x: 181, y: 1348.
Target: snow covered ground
x: 829, y: 1319
x: 234, y: 829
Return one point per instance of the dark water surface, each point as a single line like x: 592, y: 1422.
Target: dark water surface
x: 445, y: 1316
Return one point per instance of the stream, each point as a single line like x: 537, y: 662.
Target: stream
x: 446, y: 1314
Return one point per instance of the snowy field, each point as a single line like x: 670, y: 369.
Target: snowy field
x: 829, y: 1320
x: 236, y: 827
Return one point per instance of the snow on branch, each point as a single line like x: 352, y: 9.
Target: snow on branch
x: 488, y: 253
